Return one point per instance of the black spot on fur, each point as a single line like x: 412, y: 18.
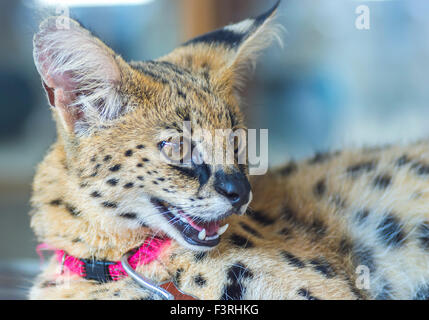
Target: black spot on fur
x: 96, y: 194
x: 423, y: 235
x: 240, y: 241
x: 140, y: 178
x: 359, y: 293
x: 284, y: 231
x: 364, y: 255
x: 361, y: 216
x: 139, y: 165
x: 129, y: 215
x: 112, y: 182
x: 292, y: 259
x: 178, y: 276
x: 199, y: 280
x: 234, y: 289
x: 183, y: 113
x: 249, y: 229
x: 111, y: 205
x: 48, y: 284
x: 402, y: 161
x: 107, y: 158
x: 360, y: 168
x: 181, y: 94
x: 319, y: 188
x: 128, y: 153
x: 385, y: 292
x: 345, y: 246
x: 83, y: 185
x: 140, y: 146
x: 56, y: 202
x: 115, y: 168
x: 317, y: 227
x: 148, y: 71
x: 289, y: 169
x: 200, y: 256
x: 148, y: 297
x: 306, y: 294
x: 72, y: 210
x: 422, y: 169
x: 128, y: 185
x: 288, y: 214
x: 390, y: 232
x: 260, y: 217
x: 422, y: 292
x: 324, y: 267
x: 382, y: 181
x: 232, y: 116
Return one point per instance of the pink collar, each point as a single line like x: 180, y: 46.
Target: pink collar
x: 105, y: 271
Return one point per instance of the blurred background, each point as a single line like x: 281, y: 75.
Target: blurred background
x: 332, y: 85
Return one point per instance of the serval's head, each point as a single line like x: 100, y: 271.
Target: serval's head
x: 139, y: 133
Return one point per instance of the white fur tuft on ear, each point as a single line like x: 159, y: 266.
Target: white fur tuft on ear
x: 245, y: 58
x: 80, y: 74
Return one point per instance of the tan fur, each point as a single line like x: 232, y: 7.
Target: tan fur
x: 301, y: 241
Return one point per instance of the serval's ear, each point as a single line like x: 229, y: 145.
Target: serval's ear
x: 80, y: 74
x: 227, y: 55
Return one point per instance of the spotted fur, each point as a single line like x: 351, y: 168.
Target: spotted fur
x: 310, y: 226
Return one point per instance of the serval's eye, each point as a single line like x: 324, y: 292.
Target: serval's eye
x: 176, y: 150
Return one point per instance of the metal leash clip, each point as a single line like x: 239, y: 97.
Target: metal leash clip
x: 63, y: 260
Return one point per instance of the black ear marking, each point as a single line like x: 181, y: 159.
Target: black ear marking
x: 233, y: 35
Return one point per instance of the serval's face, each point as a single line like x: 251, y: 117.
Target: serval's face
x: 143, y: 135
